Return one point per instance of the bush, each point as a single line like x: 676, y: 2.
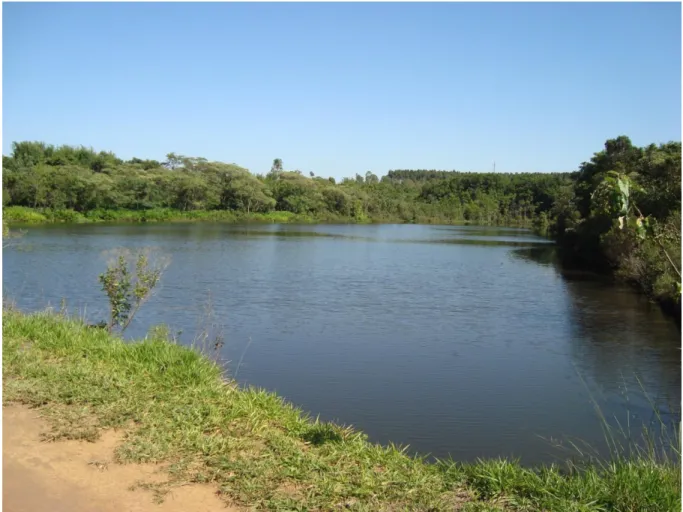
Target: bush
x: 23, y: 215
x: 129, y: 282
x: 70, y: 216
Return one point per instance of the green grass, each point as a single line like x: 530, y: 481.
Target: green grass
x: 23, y: 215
x: 262, y: 452
x: 20, y: 214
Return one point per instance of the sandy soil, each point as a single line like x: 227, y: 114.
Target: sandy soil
x: 77, y: 476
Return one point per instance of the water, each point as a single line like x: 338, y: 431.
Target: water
x: 460, y: 341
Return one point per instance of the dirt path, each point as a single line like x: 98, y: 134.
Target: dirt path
x: 77, y: 476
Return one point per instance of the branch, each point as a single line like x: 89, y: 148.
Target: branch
x: 659, y: 242
x: 132, y: 314
x: 661, y: 245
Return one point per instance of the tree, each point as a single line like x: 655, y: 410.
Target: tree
x: 173, y: 161
x: 371, y: 178
x: 29, y: 154
x: 337, y: 201
x: 192, y: 192
x: 145, y: 164
x: 242, y: 191
x: 614, y: 197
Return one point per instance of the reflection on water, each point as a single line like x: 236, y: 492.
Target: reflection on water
x: 614, y: 329
x: 483, y: 241
x: 458, y: 340
x: 541, y: 254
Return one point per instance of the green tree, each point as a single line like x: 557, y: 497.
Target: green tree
x: 370, y: 178
x: 275, y: 169
x: 173, y: 161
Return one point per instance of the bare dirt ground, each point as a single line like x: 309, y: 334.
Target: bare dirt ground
x: 78, y: 476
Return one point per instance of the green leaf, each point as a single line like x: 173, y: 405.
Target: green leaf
x: 623, y: 188
x: 641, y: 230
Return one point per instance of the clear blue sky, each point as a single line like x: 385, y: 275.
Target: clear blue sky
x: 343, y: 88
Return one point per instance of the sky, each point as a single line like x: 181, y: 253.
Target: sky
x: 344, y: 88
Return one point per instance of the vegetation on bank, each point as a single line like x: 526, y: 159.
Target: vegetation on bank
x: 622, y: 213
x: 263, y: 453
x: 43, y: 183
x: 78, y: 181
x: 24, y: 215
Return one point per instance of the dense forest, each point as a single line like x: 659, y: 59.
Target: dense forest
x: 620, y: 212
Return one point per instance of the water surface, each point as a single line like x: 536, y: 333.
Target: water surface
x: 460, y: 341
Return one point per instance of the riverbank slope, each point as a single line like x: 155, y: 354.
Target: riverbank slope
x: 176, y: 411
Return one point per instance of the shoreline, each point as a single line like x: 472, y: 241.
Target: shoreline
x: 22, y: 216
x: 177, y: 411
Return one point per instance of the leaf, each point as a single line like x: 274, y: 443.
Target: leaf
x: 640, y: 228
x: 624, y: 193
x: 623, y: 186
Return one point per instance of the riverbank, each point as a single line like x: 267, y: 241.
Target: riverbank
x: 22, y: 215
x: 26, y: 216
x: 668, y: 302
x: 176, y: 411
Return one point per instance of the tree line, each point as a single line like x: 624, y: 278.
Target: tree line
x: 41, y: 176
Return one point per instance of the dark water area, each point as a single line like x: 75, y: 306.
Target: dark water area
x: 458, y: 341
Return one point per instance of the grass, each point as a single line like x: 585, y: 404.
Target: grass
x: 24, y: 215
x: 262, y: 452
